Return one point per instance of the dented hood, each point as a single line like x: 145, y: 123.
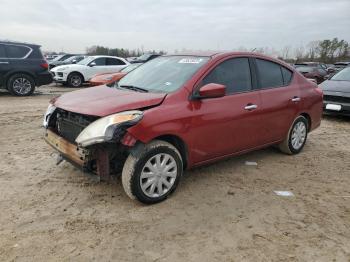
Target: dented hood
x: 104, y: 100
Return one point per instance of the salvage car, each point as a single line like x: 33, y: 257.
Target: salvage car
x: 110, y: 78
x: 336, y: 91
x: 22, y: 68
x: 76, y: 75
x: 177, y: 112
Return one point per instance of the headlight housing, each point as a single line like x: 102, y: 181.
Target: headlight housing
x: 103, y: 129
x: 50, y: 109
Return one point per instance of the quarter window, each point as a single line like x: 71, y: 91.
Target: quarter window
x: 270, y: 74
x: 233, y: 73
x: 15, y: 51
x: 114, y: 61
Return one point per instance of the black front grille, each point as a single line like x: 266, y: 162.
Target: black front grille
x: 338, y: 99
x: 69, y: 125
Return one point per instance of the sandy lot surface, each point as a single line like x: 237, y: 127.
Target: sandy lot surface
x: 223, y: 212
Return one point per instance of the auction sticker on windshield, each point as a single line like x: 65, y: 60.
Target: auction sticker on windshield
x: 190, y: 61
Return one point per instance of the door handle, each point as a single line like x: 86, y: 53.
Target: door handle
x: 296, y: 99
x: 4, y: 62
x: 250, y: 107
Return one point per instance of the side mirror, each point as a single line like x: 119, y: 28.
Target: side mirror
x: 92, y: 64
x: 211, y: 90
x: 74, y: 61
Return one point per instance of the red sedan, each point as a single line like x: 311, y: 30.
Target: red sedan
x: 181, y: 111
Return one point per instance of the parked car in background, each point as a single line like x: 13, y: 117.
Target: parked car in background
x: 336, y: 99
x: 340, y: 65
x: 71, y: 60
x: 59, y: 60
x: 313, y: 72
x: 109, y: 78
x: 22, y: 67
x: 50, y: 57
x: 182, y: 111
x: 76, y: 74
x: 312, y: 64
x: 144, y: 58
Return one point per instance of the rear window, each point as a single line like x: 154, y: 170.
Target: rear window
x: 2, y: 52
x: 270, y: 74
x: 16, y: 51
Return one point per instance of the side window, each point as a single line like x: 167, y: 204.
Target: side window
x: 269, y: 73
x: 100, y: 61
x: 15, y: 51
x: 2, y: 52
x: 114, y: 61
x: 233, y: 73
x: 287, y: 75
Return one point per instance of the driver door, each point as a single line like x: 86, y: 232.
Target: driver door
x: 229, y: 124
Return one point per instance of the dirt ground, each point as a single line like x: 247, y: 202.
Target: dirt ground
x: 227, y: 211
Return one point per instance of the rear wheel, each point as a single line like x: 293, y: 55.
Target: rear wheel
x: 75, y: 80
x: 296, y: 138
x: 152, y: 173
x: 21, y: 85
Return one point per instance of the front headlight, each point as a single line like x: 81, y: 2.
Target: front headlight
x: 103, y: 129
x: 50, y: 109
x: 62, y: 68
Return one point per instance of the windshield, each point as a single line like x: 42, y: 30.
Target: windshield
x: 163, y: 74
x: 130, y: 67
x: 86, y: 61
x: 343, y: 75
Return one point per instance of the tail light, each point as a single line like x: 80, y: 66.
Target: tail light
x: 45, y: 65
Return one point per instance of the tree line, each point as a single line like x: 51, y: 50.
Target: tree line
x: 327, y: 51
x: 120, y: 52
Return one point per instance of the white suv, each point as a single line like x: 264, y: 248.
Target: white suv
x: 76, y: 74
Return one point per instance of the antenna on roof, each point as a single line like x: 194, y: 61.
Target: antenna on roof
x: 253, y: 49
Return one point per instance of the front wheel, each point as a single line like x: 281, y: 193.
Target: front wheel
x: 151, y: 173
x: 75, y: 80
x: 296, y: 138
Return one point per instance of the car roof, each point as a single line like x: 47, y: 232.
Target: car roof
x: 106, y: 56
x: 221, y: 54
x: 18, y: 43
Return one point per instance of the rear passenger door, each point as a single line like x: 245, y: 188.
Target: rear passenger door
x: 4, y: 65
x: 280, y: 99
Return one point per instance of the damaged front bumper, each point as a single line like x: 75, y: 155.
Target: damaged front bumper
x: 80, y: 157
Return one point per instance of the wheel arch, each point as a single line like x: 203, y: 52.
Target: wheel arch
x: 10, y: 74
x: 77, y: 72
x: 308, y: 118
x: 177, y: 142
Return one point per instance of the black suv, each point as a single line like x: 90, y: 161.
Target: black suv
x: 22, y: 67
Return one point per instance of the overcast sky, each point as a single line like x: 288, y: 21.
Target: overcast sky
x: 72, y: 25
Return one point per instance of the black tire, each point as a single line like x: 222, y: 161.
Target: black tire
x: 75, y: 80
x: 21, y: 85
x: 287, y: 146
x: 136, y: 163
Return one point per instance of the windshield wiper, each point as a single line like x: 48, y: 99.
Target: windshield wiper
x: 134, y: 88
